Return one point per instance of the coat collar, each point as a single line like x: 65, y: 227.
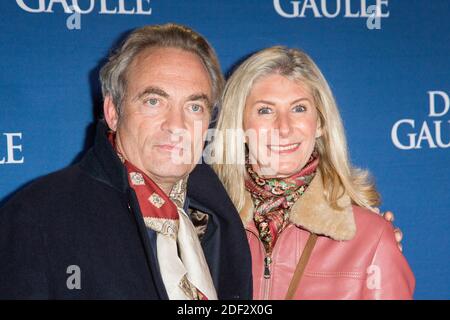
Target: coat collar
x: 313, y: 212
x: 102, y: 163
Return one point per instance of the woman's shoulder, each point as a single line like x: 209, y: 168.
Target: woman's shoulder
x: 370, y: 224
x: 365, y: 215
x: 377, y: 237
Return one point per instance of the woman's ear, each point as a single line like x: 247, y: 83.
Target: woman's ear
x: 319, y: 129
x: 110, y: 113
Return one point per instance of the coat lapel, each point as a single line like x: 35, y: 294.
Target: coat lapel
x: 149, y: 246
x: 104, y: 165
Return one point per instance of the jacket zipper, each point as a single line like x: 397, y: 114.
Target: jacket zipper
x: 267, y: 275
x: 267, y: 262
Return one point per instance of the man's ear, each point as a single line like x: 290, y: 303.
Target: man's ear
x: 110, y: 113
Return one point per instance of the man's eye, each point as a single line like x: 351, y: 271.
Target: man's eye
x: 299, y: 108
x: 196, y: 108
x: 264, y: 110
x: 152, y: 102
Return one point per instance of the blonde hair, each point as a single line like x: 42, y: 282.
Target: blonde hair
x: 338, y: 175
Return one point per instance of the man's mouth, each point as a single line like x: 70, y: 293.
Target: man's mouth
x: 170, y: 147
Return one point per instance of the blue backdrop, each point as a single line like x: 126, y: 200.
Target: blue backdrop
x: 390, y: 75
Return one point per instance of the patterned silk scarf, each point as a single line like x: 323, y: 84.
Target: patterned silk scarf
x: 181, y: 260
x: 273, y: 199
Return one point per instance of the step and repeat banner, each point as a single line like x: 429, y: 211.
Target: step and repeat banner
x: 387, y: 61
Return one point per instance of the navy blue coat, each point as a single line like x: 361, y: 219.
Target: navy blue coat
x: 87, y: 215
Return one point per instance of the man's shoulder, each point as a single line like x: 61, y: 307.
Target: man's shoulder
x: 44, y: 190
x: 205, y: 188
x: 203, y: 182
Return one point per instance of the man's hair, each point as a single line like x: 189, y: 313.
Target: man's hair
x: 113, y: 75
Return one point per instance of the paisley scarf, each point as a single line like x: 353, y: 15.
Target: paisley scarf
x: 273, y: 199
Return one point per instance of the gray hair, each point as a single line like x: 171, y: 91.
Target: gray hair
x: 113, y: 75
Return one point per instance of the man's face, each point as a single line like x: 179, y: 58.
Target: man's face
x: 165, y: 114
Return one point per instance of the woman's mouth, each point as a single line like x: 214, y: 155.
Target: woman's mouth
x: 284, y: 149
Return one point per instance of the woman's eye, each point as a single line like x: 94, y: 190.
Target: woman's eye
x: 264, y: 110
x: 299, y: 108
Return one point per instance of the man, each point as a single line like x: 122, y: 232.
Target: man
x: 119, y: 223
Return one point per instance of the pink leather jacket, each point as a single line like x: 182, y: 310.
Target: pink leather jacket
x: 355, y: 257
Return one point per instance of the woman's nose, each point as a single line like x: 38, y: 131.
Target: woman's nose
x: 283, y: 125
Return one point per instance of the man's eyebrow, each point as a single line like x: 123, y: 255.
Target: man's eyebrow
x: 151, y: 90
x: 199, y: 96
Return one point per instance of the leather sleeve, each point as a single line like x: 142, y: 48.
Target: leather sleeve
x: 389, y: 276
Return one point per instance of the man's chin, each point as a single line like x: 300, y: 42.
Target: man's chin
x: 171, y: 171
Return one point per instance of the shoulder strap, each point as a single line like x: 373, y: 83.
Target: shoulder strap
x: 301, y: 265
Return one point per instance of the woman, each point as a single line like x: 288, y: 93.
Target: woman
x: 307, y: 211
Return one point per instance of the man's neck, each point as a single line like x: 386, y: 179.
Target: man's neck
x: 166, y: 187
x: 163, y: 185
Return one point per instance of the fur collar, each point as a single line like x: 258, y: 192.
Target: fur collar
x: 313, y: 213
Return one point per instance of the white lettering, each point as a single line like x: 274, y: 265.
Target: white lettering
x: 188, y: 310
x: 425, y: 134
x: 123, y: 10
x: 77, y: 8
x: 310, y: 4
x: 10, y: 147
x: 394, y: 135
x: 437, y: 128
x: 323, y: 8
x: 104, y: 8
x: 23, y: 6
x: 279, y: 10
x: 325, y: 11
x: 380, y: 4
x: 140, y: 10
x: 430, y: 132
x: 348, y: 10
x: 432, y: 96
x: 63, y: 4
x: 139, y: 7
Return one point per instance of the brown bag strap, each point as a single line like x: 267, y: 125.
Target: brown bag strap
x: 301, y: 265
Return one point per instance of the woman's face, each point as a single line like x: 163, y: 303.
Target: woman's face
x: 281, y: 123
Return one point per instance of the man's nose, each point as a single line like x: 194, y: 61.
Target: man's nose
x: 174, y: 121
